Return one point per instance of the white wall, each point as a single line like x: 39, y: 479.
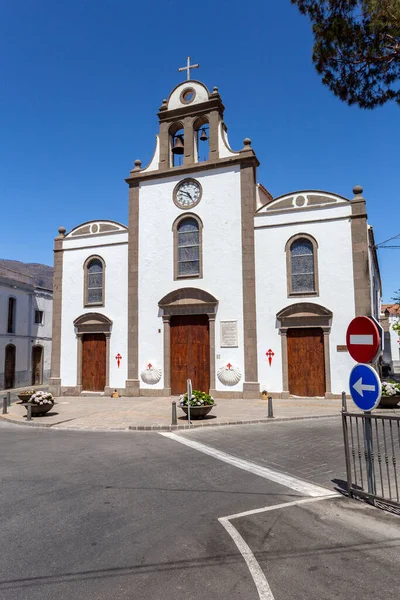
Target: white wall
x: 220, y: 212
x: 113, y: 249
x: 394, y: 344
x: 336, y: 287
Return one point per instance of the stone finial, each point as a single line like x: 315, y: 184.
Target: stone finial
x: 138, y: 165
x: 62, y: 231
x: 164, y: 104
x: 215, y: 91
x: 246, y: 144
x: 357, y: 190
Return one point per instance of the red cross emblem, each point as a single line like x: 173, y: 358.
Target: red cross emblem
x: 229, y: 366
x: 270, y: 354
x: 149, y: 366
x: 118, y: 359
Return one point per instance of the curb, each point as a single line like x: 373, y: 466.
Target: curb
x: 226, y: 423
x: 160, y: 427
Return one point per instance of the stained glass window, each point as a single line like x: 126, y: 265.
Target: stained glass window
x: 302, y: 261
x: 188, y: 247
x: 95, y: 282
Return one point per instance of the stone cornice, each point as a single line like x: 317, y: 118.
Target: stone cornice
x: 191, y: 110
x: 246, y: 157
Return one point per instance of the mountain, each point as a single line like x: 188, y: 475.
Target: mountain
x: 42, y: 275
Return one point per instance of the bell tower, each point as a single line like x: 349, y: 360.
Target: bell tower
x: 194, y: 181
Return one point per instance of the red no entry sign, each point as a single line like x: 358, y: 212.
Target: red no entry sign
x: 363, y: 339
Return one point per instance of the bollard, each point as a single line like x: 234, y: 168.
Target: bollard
x: 9, y: 398
x: 174, y: 419
x: 29, y: 413
x: 270, y: 408
x: 5, y: 405
x: 344, y: 402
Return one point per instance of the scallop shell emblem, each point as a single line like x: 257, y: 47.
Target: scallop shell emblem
x: 229, y: 375
x: 151, y: 375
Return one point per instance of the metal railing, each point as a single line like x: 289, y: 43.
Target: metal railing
x: 372, y: 451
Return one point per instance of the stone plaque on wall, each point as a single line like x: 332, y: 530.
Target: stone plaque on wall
x: 229, y: 334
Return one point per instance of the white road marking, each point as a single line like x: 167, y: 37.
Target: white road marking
x: 362, y: 340
x: 299, y: 485
x: 260, y: 581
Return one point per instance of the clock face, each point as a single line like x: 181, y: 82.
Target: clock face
x: 187, y: 193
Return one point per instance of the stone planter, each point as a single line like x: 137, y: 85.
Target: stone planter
x: 389, y: 401
x: 24, y: 397
x: 198, y: 412
x: 39, y: 409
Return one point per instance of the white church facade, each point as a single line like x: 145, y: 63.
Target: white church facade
x: 212, y: 279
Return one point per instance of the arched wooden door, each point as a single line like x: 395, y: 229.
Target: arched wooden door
x: 190, y: 353
x: 94, y: 362
x: 9, y: 367
x: 37, y: 365
x: 306, y: 362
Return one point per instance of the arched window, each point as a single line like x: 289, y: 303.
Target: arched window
x: 302, y: 267
x: 12, y: 303
x: 94, y: 281
x: 187, y: 242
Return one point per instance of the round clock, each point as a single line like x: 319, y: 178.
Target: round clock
x: 187, y: 193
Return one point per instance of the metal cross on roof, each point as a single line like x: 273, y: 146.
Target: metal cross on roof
x: 188, y: 67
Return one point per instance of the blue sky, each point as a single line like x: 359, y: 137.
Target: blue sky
x: 81, y: 82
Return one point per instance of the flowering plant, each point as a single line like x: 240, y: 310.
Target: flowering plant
x: 27, y: 392
x: 41, y: 398
x: 390, y: 388
x: 197, y: 399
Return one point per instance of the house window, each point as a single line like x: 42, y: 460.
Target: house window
x: 94, y: 281
x: 38, y: 317
x: 11, y: 315
x: 301, y: 251
x: 188, y: 247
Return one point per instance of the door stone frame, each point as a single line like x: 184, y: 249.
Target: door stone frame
x: 90, y: 323
x: 187, y: 301
x: 304, y: 315
x: 41, y: 363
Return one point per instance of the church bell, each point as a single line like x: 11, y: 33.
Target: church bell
x: 203, y: 137
x: 178, y: 147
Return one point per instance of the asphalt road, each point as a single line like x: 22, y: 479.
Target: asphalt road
x: 135, y: 516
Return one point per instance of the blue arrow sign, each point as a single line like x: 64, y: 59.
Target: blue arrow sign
x: 365, y: 387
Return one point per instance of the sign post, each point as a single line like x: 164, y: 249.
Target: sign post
x: 189, y: 395
x: 366, y: 391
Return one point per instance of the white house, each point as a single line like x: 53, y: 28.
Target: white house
x: 25, y: 331
x: 391, y: 352
x: 212, y: 279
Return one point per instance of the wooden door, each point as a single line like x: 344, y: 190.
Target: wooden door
x: 306, y: 362
x: 37, y: 365
x: 9, y: 367
x: 190, y: 353
x: 94, y: 362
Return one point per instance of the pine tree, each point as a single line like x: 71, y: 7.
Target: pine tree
x: 357, y: 48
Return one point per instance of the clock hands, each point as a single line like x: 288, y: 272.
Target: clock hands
x: 187, y: 194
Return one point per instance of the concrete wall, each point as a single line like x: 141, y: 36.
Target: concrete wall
x: 220, y: 212
x: 331, y: 228
x: 113, y: 249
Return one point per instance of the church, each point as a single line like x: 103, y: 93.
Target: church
x: 212, y: 278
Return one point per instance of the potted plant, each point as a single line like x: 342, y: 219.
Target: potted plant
x: 25, y: 395
x: 200, y: 404
x: 390, y: 394
x: 41, y: 403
